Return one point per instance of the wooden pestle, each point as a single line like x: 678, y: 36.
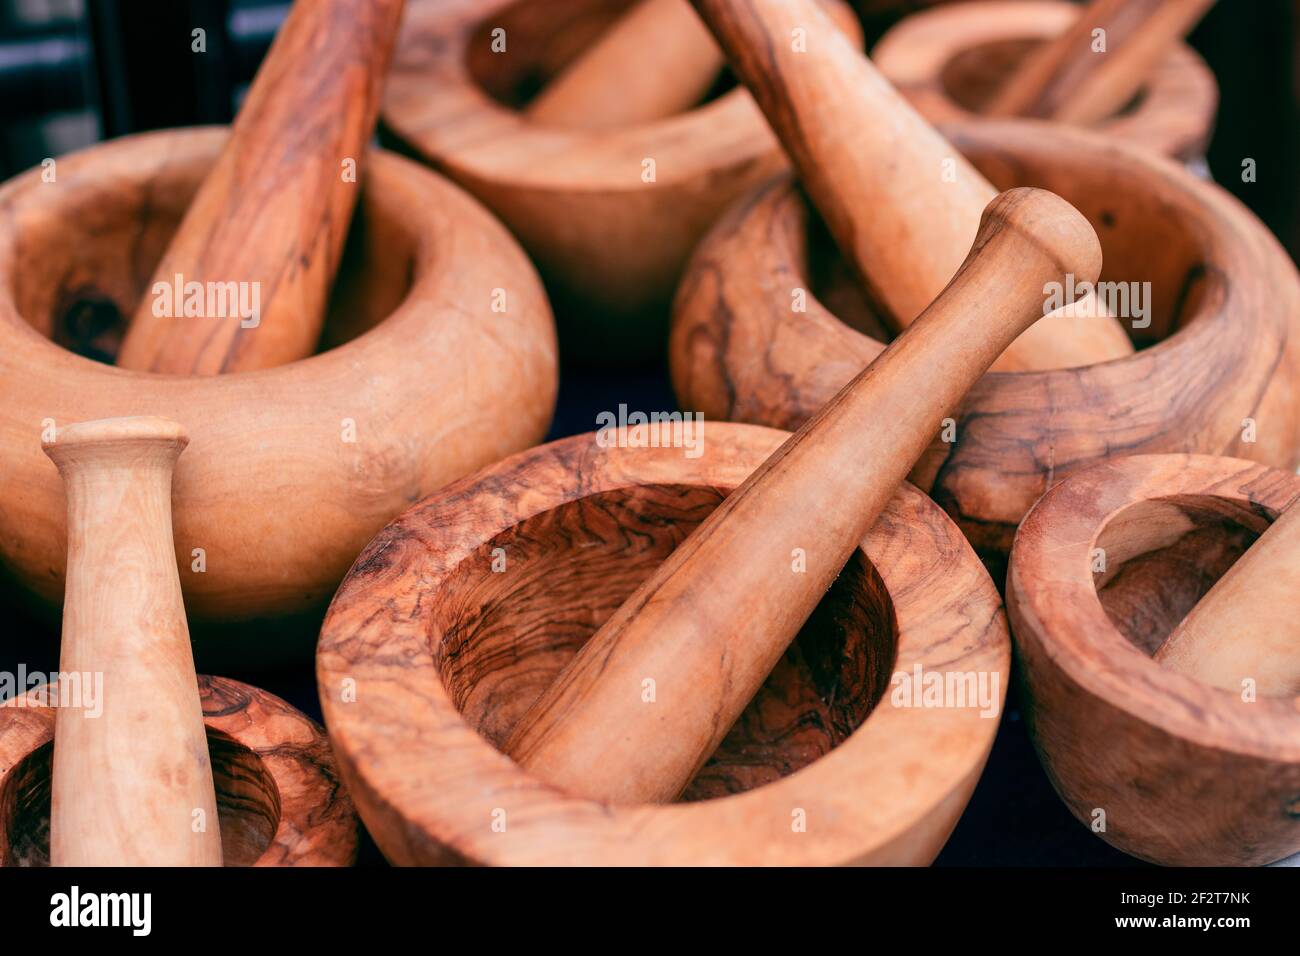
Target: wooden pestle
x: 1065, y: 80
x: 1248, y: 625
x: 657, y: 60
x: 879, y: 173
x: 710, y: 624
x: 274, y: 211
x: 127, y: 781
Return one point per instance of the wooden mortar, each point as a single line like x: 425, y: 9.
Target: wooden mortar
x: 447, y: 655
x: 1218, y: 369
x: 610, y: 245
x: 289, y: 470
x: 1105, y: 566
x: 950, y: 61
x: 279, y: 798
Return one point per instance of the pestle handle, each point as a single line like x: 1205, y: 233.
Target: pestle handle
x: 710, y: 624
x: 1066, y: 80
x: 657, y: 60
x: 128, y: 779
x: 268, y: 224
x: 1248, y: 625
x: 900, y: 201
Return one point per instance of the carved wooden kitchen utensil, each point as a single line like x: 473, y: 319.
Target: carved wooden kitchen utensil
x: 133, y: 783
x: 900, y: 201
x: 712, y: 621
x: 1154, y: 759
x: 1068, y: 79
x: 273, y: 213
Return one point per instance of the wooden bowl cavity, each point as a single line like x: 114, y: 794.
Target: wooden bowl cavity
x: 278, y: 798
x: 949, y: 61
x: 442, y: 656
x: 1104, y: 567
x: 585, y: 558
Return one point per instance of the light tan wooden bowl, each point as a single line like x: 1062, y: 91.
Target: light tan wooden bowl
x: 1223, y: 346
x: 949, y: 60
x: 428, y: 657
x: 609, y: 245
x: 427, y: 378
x: 1185, y: 773
x: 279, y: 798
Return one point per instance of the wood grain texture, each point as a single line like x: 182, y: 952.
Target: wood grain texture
x: 132, y: 781
x: 274, y: 209
x: 1068, y: 80
x: 1187, y: 773
x: 900, y: 201
x: 610, y: 246
x: 712, y: 621
x: 657, y: 60
x: 278, y: 793
x: 1248, y: 626
x: 1223, y: 345
x: 950, y: 61
x: 435, y: 382
x: 447, y: 655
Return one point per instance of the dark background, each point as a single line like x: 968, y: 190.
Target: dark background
x: 73, y: 72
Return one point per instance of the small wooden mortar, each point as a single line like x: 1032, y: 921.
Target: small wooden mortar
x: 1105, y: 566
x: 610, y: 245
x: 1218, y: 371
x: 447, y: 655
x: 279, y: 799
x: 951, y: 60
x: 289, y: 470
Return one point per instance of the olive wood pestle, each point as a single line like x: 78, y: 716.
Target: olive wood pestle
x: 271, y: 217
x: 710, y: 624
x: 132, y: 784
x: 657, y: 60
x: 1248, y: 625
x: 901, y: 202
x: 1066, y: 80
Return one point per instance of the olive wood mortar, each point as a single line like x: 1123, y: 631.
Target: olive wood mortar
x: 447, y: 655
x: 1104, y: 567
x: 279, y: 798
x: 289, y: 470
x: 712, y: 621
x: 951, y: 61
x: 1218, y: 371
x: 609, y: 245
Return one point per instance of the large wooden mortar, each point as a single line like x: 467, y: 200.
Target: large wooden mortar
x: 1159, y: 764
x: 610, y: 245
x: 460, y: 613
x: 1218, y: 369
x: 290, y: 470
x: 950, y: 60
x: 279, y: 798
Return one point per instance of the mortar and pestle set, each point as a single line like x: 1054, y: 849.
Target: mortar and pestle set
x: 595, y: 654
x: 588, y: 127
x: 296, y: 457
x: 619, y: 653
